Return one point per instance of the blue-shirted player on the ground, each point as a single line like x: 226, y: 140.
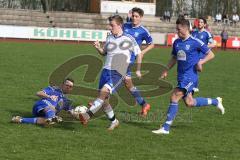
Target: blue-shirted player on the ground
x: 118, y: 49
x: 52, y: 101
x: 185, y: 53
x: 204, y: 36
x: 140, y: 34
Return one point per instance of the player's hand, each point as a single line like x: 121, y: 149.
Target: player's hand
x: 97, y: 44
x: 53, y: 97
x: 138, y: 73
x: 199, y: 66
x: 164, y: 74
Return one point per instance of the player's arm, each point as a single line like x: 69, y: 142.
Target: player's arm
x: 211, y: 43
x: 148, y: 48
x: 170, y: 64
x: 149, y: 40
x: 99, y: 48
x: 43, y: 94
x: 207, y: 58
x: 139, y: 62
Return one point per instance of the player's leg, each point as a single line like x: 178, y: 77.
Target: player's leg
x: 40, y: 112
x: 95, y: 106
x: 109, y: 83
x: 107, y: 109
x: 136, y: 94
x: 201, y: 102
x: 177, y: 94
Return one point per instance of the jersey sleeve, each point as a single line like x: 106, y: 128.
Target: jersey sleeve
x: 147, y: 37
x: 48, y: 90
x: 210, y: 38
x: 174, y: 52
x: 202, y: 47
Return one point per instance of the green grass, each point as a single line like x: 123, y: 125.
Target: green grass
x: 196, y: 134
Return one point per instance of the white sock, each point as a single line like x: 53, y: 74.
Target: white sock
x: 97, y: 104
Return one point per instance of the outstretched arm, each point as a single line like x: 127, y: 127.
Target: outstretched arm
x: 42, y: 94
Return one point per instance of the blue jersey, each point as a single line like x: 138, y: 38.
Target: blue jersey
x: 187, y: 55
x: 140, y: 33
x: 62, y: 103
x: 204, y: 36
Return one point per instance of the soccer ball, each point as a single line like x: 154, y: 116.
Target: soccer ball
x: 80, y: 109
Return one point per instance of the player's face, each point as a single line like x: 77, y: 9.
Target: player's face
x: 201, y: 24
x: 136, y: 18
x: 114, y: 27
x: 182, y: 31
x: 67, y: 87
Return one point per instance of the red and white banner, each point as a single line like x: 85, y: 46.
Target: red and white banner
x: 171, y: 37
x: 233, y: 42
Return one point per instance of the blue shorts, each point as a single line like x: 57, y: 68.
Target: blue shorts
x: 187, y: 86
x: 132, y: 60
x: 38, y: 109
x: 110, y: 79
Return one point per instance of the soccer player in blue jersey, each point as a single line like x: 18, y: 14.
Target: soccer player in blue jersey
x: 185, y: 53
x: 140, y: 34
x: 52, y: 101
x: 118, y: 49
x: 204, y: 36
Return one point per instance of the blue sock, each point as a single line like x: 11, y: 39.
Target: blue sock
x: 136, y: 94
x: 50, y: 113
x: 29, y: 120
x: 171, y: 114
x: 200, y: 101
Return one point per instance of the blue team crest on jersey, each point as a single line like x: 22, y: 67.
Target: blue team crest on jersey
x: 187, y: 47
x: 136, y: 34
x: 181, y: 55
x: 201, y: 37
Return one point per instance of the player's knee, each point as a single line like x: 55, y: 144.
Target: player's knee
x: 176, y: 96
x: 41, y: 121
x: 189, y: 103
x: 128, y: 82
x: 104, y: 93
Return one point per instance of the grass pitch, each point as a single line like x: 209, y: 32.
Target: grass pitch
x: 196, y: 133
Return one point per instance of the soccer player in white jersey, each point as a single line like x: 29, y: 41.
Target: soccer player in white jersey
x: 185, y: 53
x: 140, y: 33
x: 118, y: 49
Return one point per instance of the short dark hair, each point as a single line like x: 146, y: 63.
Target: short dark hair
x: 204, y: 20
x: 183, y: 22
x: 138, y: 10
x: 68, y: 79
x: 117, y: 18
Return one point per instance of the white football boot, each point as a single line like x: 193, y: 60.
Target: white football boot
x: 160, y: 131
x: 220, y: 105
x: 113, y: 125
